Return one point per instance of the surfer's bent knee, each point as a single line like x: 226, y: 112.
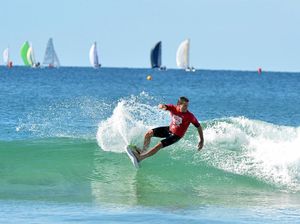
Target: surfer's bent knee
x: 149, y: 133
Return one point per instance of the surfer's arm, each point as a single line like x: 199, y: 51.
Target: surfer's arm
x: 169, y: 107
x: 197, y: 124
x: 201, y: 142
x: 162, y: 106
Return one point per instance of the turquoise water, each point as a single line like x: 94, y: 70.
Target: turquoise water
x: 63, y: 133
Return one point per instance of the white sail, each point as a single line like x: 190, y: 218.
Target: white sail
x: 30, y: 56
x: 182, y: 55
x: 94, y: 55
x: 50, y: 58
x: 6, y: 56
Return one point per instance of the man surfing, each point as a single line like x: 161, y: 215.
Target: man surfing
x: 181, y: 119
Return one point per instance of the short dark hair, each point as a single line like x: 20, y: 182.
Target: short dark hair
x: 182, y: 99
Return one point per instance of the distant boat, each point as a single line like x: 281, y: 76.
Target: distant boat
x: 50, y: 58
x: 94, y: 56
x: 31, y: 58
x: 27, y: 55
x: 183, y: 56
x: 24, y: 50
x: 155, y: 57
x: 6, y: 58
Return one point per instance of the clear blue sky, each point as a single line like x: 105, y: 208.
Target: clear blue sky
x: 225, y: 34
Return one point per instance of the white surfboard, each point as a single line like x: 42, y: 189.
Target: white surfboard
x: 131, y: 156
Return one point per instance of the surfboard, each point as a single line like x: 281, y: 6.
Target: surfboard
x: 131, y: 156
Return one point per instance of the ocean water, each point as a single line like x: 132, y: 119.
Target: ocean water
x: 63, y: 133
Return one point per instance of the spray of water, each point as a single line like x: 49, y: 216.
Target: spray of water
x: 130, y: 119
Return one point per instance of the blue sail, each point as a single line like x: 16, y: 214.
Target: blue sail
x: 155, y: 56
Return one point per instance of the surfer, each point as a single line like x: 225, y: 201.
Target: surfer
x: 181, y: 119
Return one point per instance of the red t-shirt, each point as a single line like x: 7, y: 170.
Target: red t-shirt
x: 181, y: 121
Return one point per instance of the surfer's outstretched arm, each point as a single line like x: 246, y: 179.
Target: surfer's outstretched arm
x: 162, y: 106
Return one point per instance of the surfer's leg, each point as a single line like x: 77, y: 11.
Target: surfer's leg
x: 147, y: 139
x: 150, y: 152
x: 171, y: 139
x: 161, y: 132
x: 164, y: 143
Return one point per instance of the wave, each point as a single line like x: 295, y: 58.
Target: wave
x: 255, y: 148
x: 236, y: 145
x: 240, y: 155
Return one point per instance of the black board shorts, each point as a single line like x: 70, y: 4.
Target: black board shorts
x: 164, y: 132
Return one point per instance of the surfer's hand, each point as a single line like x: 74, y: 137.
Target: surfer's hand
x: 200, y: 145
x: 162, y: 106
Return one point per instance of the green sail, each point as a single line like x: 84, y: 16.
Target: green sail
x: 24, y: 50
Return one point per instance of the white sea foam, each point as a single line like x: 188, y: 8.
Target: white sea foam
x: 255, y: 148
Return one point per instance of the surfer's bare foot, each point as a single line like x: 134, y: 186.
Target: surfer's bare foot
x: 139, y: 151
x: 137, y: 155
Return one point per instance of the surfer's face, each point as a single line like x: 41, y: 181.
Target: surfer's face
x: 183, y: 106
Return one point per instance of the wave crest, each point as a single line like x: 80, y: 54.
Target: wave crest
x: 257, y: 149
x: 249, y: 147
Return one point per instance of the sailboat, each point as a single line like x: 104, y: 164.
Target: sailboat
x: 27, y: 55
x: 31, y: 58
x: 24, y: 50
x: 183, y: 56
x: 50, y: 58
x: 94, y: 56
x: 6, y: 58
x: 155, y: 57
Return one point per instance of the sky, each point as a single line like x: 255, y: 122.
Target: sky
x: 224, y: 34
